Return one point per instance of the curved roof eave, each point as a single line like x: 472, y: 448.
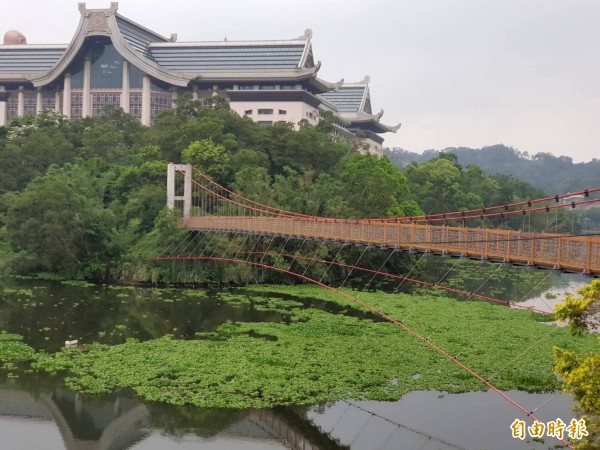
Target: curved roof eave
x: 288, y: 75
x: 13, y: 77
x: 391, y: 128
x: 373, y: 119
x: 327, y: 85
x: 386, y: 128
x: 110, y: 29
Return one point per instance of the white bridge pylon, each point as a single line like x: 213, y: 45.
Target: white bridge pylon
x: 179, y: 188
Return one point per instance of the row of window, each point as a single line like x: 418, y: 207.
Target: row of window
x: 29, y: 105
x: 159, y: 102
x: 277, y: 87
x: 99, y: 101
x: 265, y: 112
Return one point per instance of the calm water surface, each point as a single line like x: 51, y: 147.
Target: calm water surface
x: 37, y: 412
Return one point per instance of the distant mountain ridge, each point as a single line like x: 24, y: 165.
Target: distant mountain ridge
x: 551, y: 173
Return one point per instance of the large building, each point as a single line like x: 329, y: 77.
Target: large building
x: 112, y: 60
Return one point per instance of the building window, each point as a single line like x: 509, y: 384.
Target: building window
x: 282, y: 112
x: 76, y: 106
x: 135, y: 105
x: 159, y: 103
x: 76, y: 69
x: 12, y: 105
x: 107, y: 67
x: 49, y: 101
x: 248, y: 112
x: 30, y: 104
x: 265, y: 123
x: 99, y: 101
x: 136, y: 77
x: 265, y: 111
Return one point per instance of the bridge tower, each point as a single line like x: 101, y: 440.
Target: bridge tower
x: 179, y: 188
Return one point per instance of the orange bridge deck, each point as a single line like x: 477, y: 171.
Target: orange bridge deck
x: 552, y: 251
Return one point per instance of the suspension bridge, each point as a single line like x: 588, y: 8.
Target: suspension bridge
x: 209, y: 207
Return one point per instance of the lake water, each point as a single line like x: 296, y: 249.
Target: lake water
x: 36, y: 411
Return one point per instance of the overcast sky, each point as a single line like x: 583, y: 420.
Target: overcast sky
x: 525, y: 73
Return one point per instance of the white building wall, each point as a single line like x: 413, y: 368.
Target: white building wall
x: 294, y: 111
x: 370, y: 146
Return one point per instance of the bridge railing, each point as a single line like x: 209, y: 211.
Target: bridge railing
x: 579, y: 254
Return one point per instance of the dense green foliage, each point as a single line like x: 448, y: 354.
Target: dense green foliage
x: 581, y: 375
x: 581, y: 372
x: 85, y: 198
x: 583, y: 311
x: 321, y: 356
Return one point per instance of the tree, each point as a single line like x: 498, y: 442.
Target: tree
x: 208, y: 157
x: 581, y: 373
x: 436, y: 185
x: 582, y: 313
x: 374, y: 186
x: 57, y: 227
x: 26, y: 157
x: 581, y: 377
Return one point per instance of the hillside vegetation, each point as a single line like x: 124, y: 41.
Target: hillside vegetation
x: 86, y: 198
x: 553, y: 174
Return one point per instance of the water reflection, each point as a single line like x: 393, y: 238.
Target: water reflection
x: 47, y: 314
x: 63, y: 419
x: 37, y: 412
x: 436, y: 421
x: 420, y: 420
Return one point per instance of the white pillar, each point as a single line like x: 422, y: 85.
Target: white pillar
x: 3, y: 98
x: 187, y: 187
x: 195, y: 93
x: 57, y: 101
x: 146, y: 98
x: 125, y: 87
x: 171, y: 185
x: 86, y: 101
x: 39, y: 101
x: 67, y: 96
x: 20, y: 102
x: 173, y: 97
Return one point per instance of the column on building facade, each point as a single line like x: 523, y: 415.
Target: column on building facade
x: 86, y: 101
x: 173, y: 97
x: 125, y: 87
x: 146, y: 99
x: 57, y: 101
x: 3, y: 112
x: 67, y: 96
x: 39, y: 101
x: 20, y: 102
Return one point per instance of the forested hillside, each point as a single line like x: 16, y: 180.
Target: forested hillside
x: 551, y: 173
x: 86, y: 198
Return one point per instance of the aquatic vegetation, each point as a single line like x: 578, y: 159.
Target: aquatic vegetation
x: 17, y: 292
x: 323, y: 356
x: 77, y: 283
x: 194, y: 293
x: 12, y: 350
